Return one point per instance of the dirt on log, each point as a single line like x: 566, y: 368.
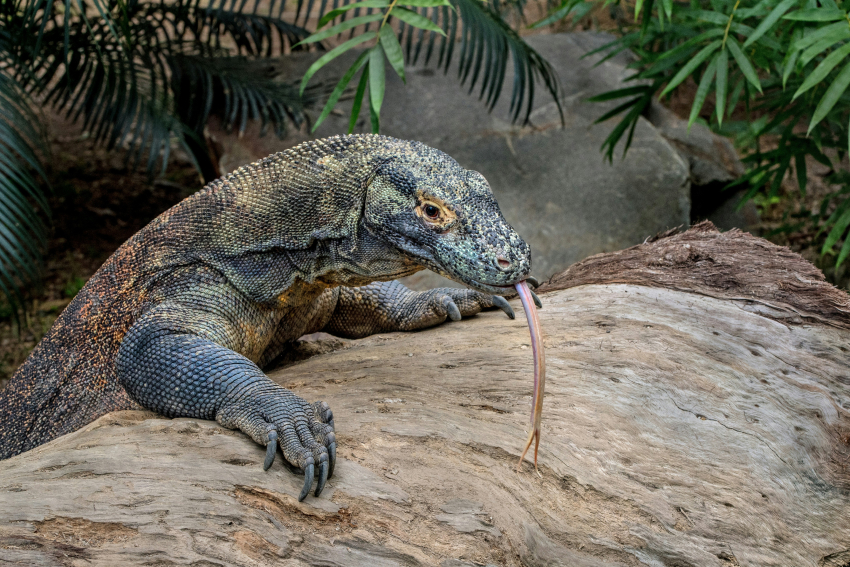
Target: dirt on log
x: 697, y: 413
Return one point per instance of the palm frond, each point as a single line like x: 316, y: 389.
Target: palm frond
x: 144, y: 74
x: 241, y: 90
x: 487, y: 46
x: 23, y: 232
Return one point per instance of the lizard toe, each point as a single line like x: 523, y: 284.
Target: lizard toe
x: 271, y: 450
x: 451, y: 308
x: 308, y: 481
x: 323, y: 412
x: 536, y: 299
x: 502, y: 303
x: 331, y: 458
x: 251, y: 421
x: 301, y: 455
x: 323, y: 475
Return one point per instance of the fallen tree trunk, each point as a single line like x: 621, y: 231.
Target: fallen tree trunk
x: 697, y: 413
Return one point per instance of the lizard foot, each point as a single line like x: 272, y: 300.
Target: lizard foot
x: 458, y: 303
x: 304, y: 431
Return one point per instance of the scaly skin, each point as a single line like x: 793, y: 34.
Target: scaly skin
x: 184, y: 315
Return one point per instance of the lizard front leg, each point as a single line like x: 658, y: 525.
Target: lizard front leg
x: 179, y: 360
x: 389, y: 306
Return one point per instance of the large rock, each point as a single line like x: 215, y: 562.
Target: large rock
x: 553, y: 184
x: 679, y: 429
x: 713, y: 163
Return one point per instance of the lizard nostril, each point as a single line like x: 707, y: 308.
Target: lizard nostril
x: 503, y: 263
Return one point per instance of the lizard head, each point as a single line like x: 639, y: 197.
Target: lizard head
x: 444, y: 217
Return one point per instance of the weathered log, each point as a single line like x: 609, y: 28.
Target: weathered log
x: 697, y: 413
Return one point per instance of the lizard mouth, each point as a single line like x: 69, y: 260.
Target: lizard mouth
x: 495, y: 289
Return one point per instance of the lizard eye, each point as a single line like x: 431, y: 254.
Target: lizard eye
x: 431, y: 211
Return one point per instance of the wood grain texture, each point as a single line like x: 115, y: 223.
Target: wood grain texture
x: 678, y: 430
x: 728, y: 265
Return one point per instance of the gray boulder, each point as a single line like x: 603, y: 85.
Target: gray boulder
x: 713, y: 164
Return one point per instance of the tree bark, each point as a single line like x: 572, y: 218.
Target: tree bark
x: 697, y: 414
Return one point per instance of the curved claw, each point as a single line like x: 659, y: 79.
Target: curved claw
x: 331, y: 459
x: 271, y: 450
x: 323, y: 477
x: 451, y: 309
x: 503, y: 304
x: 533, y: 281
x: 309, y: 471
x: 536, y: 299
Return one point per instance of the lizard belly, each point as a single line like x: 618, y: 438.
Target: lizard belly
x: 295, y: 321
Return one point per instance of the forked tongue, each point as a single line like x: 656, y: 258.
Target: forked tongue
x: 539, y: 369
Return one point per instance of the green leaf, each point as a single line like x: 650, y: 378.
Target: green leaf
x: 736, y: 95
x: 376, y: 82
x: 743, y: 63
x: 833, y: 93
x: 566, y: 8
x: 340, y: 88
x: 815, y: 15
x: 788, y: 67
x: 837, y: 231
x: 341, y: 27
x: 759, y: 10
x: 845, y: 250
x: 834, y: 32
x: 358, y: 99
x: 770, y: 20
x: 815, y: 49
x: 339, y: 11
x: 416, y: 20
x: 392, y: 49
x: 375, y: 118
x: 710, y: 16
x: 702, y: 90
x: 105, y: 17
x: 722, y: 84
x: 425, y: 3
x: 668, y: 8
x: 333, y: 54
x: 822, y: 70
x: 839, y: 210
x: 689, y: 67
x: 618, y: 110
x: 677, y: 51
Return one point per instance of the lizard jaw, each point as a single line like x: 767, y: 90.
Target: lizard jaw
x: 424, y: 257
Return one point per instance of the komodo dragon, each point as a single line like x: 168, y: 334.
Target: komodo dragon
x: 182, y: 317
